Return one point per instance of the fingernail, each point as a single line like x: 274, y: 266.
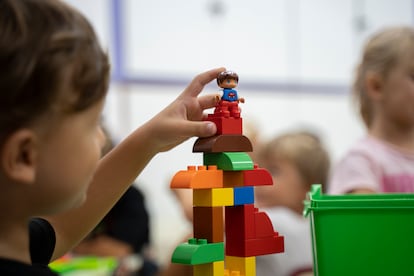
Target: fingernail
x: 211, y: 128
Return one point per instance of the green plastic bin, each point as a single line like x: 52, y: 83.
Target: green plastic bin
x: 361, y: 234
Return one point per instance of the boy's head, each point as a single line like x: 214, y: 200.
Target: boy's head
x: 227, y: 79
x: 53, y: 81
x: 384, y: 52
x: 52, y: 63
x: 296, y: 160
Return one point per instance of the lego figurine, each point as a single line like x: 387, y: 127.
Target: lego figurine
x: 228, y: 105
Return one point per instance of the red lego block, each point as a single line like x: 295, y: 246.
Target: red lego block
x: 226, y: 125
x: 240, y: 222
x: 250, y: 232
x: 255, y: 247
x: 200, y: 177
x: 263, y: 225
x: 257, y: 177
x: 208, y: 223
x: 264, y: 246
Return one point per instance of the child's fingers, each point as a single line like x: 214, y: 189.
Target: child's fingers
x: 208, y: 101
x: 198, y: 83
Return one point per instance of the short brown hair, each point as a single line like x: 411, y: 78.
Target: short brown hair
x: 304, y: 150
x: 43, y: 46
x: 227, y: 75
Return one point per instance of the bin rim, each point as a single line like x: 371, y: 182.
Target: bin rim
x: 317, y: 201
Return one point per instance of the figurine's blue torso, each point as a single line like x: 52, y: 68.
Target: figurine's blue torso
x: 229, y: 95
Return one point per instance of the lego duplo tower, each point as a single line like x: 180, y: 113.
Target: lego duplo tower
x: 226, y: 242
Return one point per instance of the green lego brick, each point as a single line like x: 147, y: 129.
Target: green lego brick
x: 198, y: 251
x: 229, y: 161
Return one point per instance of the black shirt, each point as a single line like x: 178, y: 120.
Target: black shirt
x: 42, y: 245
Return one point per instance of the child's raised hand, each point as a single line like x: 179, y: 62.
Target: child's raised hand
x: 182, y: 118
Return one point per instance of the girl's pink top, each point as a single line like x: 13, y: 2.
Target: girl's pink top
x: 374, y: 164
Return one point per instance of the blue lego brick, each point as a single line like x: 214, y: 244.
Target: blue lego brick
x: 243, y: 195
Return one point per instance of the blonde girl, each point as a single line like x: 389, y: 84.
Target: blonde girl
x: 383, y: 160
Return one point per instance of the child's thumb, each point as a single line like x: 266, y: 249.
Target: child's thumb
x: 204, y: 129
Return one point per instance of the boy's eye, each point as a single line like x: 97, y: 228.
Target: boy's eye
x: 228, y: 81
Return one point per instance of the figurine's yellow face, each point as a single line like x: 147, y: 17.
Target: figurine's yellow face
x: 228, y: 83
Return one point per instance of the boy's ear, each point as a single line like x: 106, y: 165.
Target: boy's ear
x: 18, y: 156
x: 374, y: 85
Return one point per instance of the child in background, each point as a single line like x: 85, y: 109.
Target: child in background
x: 296, y: 160
x: 55, y: 188
x: 383, y: 160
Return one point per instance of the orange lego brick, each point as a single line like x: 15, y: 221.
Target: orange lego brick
x: 233, y: 178
x: 200, y: 177
x: 232, y: 273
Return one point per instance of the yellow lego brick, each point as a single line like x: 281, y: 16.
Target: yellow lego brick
x: 213, y: 197
x: 211, y: 269
x: 232, y: 273
x: 246, y: 265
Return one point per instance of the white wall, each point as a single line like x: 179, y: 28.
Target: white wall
x: 298, y: 41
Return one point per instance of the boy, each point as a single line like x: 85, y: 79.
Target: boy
x: 52, y: 90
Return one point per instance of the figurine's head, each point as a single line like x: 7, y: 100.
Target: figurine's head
x: 227, y: 79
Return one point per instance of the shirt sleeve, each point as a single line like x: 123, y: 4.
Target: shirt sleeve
x: 42, y: 241
x: 356, y: 171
